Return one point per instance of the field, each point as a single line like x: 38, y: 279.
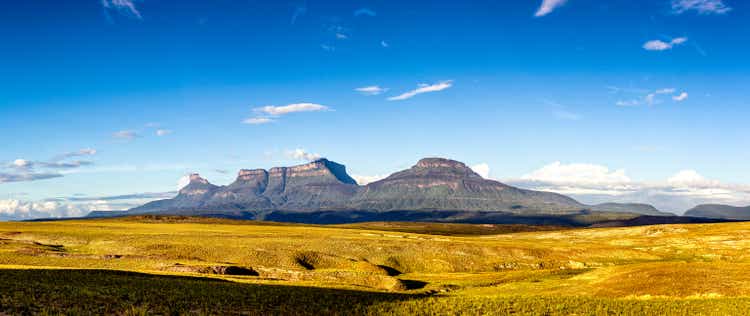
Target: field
x: 178, y: 265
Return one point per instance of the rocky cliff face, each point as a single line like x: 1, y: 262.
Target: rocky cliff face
x: 321, y: 184
x: 433, y: 184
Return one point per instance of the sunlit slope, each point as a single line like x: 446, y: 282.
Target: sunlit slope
x: 669, y: 262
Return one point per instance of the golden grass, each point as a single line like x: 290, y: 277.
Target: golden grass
x: 665, y: 263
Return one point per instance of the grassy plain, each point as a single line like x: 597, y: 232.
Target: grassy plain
x: 173, y: 265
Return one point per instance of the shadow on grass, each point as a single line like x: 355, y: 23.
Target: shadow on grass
x: 117, y: 292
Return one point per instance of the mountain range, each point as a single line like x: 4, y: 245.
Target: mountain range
x: 434, y: 188
x: 720, y: 211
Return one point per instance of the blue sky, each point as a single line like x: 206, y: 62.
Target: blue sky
x: 604, y: 100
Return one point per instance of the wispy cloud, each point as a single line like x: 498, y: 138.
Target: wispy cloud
x: 548, y: 6
x: 298, y: 12
x: 291, y: 108
x: 652, y: 98
x: 561, y: 112
x: 27, y: 176
x: 658, y: 45
x: 301, y: 154
x: 567, y: 115
x: 125, y: 135
x: 21, y: 170
x: 268, y: 113
x: 365, y: 12
x: 384, y: 44
x: 371, y: 90
x: 423, y: 88
x: 79, y: 153
x: 163, y: 132
x: 700, y: 6
x: 681, y: 97
x: 257, y: 120
x: 124, y: 7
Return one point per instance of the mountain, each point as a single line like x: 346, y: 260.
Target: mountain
x: 442, y: 184
x: 322, y: 191
x: 319, y: 185
x: 720, y: 211
x: 644, y: 209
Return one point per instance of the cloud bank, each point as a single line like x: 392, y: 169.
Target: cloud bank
x: 592, y: 184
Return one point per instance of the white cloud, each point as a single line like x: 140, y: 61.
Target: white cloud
x: 590, y: 174
x: 365, y: 180
x: 548, y: 6
x: 384, y: 44
x: 656, y: 45
x: 82, y: 152
x: 700, y: 6
x: 163, y: 132
x: 257, y: 120
x: 483, y: 169
x: 423, y: 88
x: 183, y: 181
x: 22, y: 163
x: 681, y: 97
x: 125, y: 135
x: 371, y: 90
x: 341, y: 36
x: 301, y: 154
x: 659, y: 45
x: 691, y: 179
x: 125, y: 7
x: 593, y: 184
x: 20, y: 210
x: 291, y: 108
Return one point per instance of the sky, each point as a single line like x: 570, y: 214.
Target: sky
x: 106, y: 104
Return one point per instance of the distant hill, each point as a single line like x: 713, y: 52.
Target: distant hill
x: 644, y: 209
x: 322, y: 192
x: 720, y: 211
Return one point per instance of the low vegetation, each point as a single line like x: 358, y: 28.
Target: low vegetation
x: 183, y: 265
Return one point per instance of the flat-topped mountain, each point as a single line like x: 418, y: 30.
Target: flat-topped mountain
x: 443, y: 184
x: 321, y: 184
x: 720, y: 211
x: 433, y: 184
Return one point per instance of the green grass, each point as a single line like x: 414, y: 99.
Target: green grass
x: 172, y: 265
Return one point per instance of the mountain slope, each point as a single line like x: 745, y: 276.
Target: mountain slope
x: 323, y: 190
x: 637, y: 208
x: 318, y: 185
x: 442, y: 184
x: 720, y: 211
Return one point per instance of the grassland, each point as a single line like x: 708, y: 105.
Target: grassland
x: 177, y: 265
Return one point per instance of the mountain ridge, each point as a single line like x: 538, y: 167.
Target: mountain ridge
x: 432, y: 184
x: 720, y: 211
